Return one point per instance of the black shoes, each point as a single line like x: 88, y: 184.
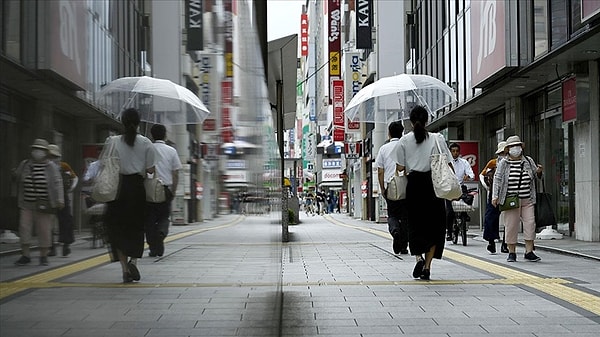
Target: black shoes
x: 504, y: 248
x: 127, y: 278
x: 396, y: 244
x: 425, y: 274
x: 491, y: 247
x: 52, y: 251
x: 43, y: 260
x: 531, y: 257
x: 23, y: 260
x: 512, y: 257
x: 418, y: 271
x: 66, y: 250
x: 134, y: 273
x: 449, y: 237
x: 403, y: 251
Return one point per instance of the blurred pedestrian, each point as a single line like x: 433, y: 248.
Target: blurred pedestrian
x: 40, y: 194
x: 515, y: 175
x: 167, y: 169
x: 126, y: 215
x: 386, y: 169
x: 64, y: 216
x: 491, y: 227
x: 426, y: 212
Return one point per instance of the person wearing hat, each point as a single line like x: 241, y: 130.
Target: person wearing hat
x: 515, y: 178
x: 39, y: 194
x: 491, y: 227
x: 64, y: 216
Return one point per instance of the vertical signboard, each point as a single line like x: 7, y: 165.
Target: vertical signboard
x: 364, y: 22
x: 228, y: 35
x: 304, y: 34
x: 338, y: 111
x: 488, y: 39
x: 227, y: 98
x: 352, y: 83
x: 334, y: 37
x: 569, y: 100
x: 194, y: 24
x: 209, y: 89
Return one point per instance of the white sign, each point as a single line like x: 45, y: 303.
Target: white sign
x: 331, y: 175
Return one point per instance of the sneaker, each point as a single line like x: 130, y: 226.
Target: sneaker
x: 23, y: 260
x: 418, y: 270
x: 133, y: 271
x: 491, y: 248
x: 396, y: 243
x: 504, y: 247
x: 512, y: 257
x: 43, y: 260
x: 531, y: 257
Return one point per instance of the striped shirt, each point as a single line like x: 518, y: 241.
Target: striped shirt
x: 36, y: 185
x: 516, y: 172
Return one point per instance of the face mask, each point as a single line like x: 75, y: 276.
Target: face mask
x: 38, y: 154
x: 515, y: 151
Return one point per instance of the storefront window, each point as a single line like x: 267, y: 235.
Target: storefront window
x: 540, y: 27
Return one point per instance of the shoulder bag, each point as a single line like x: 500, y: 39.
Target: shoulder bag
x: 512, y: 200
x: 544, y: 214
x: 106, y: 183
x: 155, y: 190
x: 396, y: 188
x: 445, y: 182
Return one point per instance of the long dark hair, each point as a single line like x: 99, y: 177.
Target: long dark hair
x: 419, y: 117
x: 130, y: 119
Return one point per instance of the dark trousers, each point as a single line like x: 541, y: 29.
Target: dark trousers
x: 398, y: 220
x: 491, y: 226
x: 65, y: 223
x: 157, y: 226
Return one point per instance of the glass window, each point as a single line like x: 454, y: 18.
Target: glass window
x: 451, y: 12
x: 560, y: 21
x: 540, y: 26
x: 460, y: 85
x: 11, y: 21
x: 469, y: 91
x: 575, y: 16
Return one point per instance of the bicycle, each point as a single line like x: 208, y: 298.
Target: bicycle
x: 461, y: 206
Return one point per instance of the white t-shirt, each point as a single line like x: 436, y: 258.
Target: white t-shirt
x: 386, y: 159
x: 167, y: 161
x: 136, y: 158
x: 462, y: 168
x: 417, y: 157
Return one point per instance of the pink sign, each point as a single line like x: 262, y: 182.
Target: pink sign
x: 569, y: 99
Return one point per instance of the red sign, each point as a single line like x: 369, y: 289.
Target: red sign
x: 352, y: 125
x: 338, y: 102
x: 339, y: 134
x: 209, y: 124
x: 569, y: 99
x: 227, y: 99
x: 469, y: 150
x: 352, y: 150
x: 304, y: 34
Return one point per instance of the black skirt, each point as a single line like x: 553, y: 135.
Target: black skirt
x: 426, y: 215
x: 125, y: 217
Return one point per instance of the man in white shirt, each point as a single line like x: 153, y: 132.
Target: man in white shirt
x: 167, y: 169
x: 386, y: 168
x: 464, y: 172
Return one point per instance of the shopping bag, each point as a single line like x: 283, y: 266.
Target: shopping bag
x: 445, y: 182
x: 396, y: 188
x: 544, y: 214
x: 106, y: 183
x: 155, y: 190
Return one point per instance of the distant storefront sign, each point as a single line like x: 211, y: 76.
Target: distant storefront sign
x: 569, y: 100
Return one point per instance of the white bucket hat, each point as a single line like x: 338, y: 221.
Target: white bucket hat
x: 513, y: 140
x: 501, y: 147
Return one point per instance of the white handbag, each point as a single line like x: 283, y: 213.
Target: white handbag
x: 396, y: 188
x: 445, y: 182
x: 155, y: 190
x: 106, y: 183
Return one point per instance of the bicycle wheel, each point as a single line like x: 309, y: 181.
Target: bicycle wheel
x: 463, y: 230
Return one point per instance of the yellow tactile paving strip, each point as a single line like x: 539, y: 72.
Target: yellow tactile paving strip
x: 555, y: 287
x: 44, y: 280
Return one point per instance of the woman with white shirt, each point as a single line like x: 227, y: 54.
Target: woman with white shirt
x: 125, y: 215
x: 426, y: 212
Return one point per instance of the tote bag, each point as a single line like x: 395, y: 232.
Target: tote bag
x: 445, y: 182
x: 155, y: 190
x: 396, y: 188
x: 106, y: 183
x: 544, y: 214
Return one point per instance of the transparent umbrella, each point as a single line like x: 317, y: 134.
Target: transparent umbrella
x: 158, y: 100
x: 392, y: 98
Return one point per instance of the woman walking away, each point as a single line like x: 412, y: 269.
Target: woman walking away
x: 426, y: 212
x: 515, y: 179
x: 125, y: 215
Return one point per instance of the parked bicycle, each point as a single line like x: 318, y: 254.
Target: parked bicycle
x: 461, y: 206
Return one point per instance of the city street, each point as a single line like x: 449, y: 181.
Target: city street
x: 338, y: 277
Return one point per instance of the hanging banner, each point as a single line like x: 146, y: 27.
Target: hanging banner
x: 334, y: 38
x: 352, y: 83
x: 364, y: 22
x: 228, y: 35
x: 194, y: 25
x: 209, y: 88
x: 569, y: 100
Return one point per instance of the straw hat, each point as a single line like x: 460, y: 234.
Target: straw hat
x: 513, y: 140
x: 54, y: 150
x: 40, y: 144
x: 501, y: 147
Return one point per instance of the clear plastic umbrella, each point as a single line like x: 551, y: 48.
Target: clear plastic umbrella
x: 158, y: 100
x: 392, y: 98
